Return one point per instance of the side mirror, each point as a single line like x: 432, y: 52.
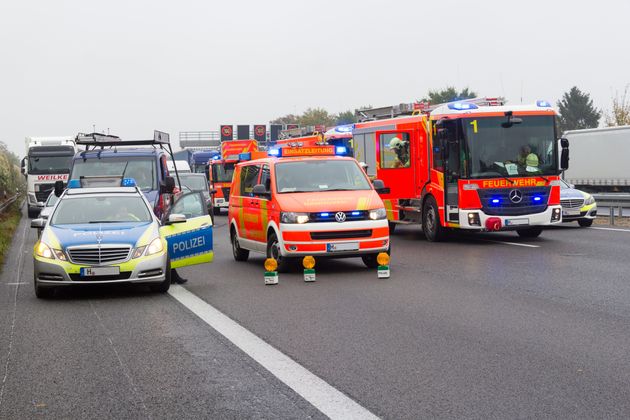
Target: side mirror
x: 38, y: 223
x: 59, y: 187
x: 168, y: 185
x: 564, y: 155
x: 213, y: 191
x: 23, y: 166
x: 380, y: 187
x: 259, y: 190
x: 175, y: 218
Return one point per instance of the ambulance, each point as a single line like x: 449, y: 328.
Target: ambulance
x: 306, y: 199
x: 221, y: 169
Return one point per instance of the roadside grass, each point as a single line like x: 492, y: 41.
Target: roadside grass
x: 619, y: 221
x: 9, y: 221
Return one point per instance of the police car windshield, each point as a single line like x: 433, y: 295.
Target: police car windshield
x: 525, y: 149
x: 140, y: 169
x: 320, y: 175
x: 101, y: 209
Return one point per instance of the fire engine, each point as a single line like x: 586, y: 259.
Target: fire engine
x: 477, y: 164
x: 221, y: 169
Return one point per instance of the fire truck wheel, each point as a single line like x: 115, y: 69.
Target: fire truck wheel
x: 239, y: 253
x: 431, y: 226
x: 533, y: 232
x: 392, y: 227
x: 273, y: 251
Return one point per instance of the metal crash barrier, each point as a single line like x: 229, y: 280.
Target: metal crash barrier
x: 613, y: 201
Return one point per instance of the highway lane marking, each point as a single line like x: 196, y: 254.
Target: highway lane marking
x: 13, y: 316
x: 613, y: 229
x: 17, y: 283
x: 512, y: 243
x: 323, y: 396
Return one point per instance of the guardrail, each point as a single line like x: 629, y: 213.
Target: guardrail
x: 613, y: 201
x: 8, y: 202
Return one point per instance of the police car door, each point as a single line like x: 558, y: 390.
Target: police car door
x: 189, y: 240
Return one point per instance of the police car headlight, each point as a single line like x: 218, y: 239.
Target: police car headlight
x: 155, y: 246
x: 293, y: 217
x: 44, y: 251
x: 378, y: 214
x: 589, y: 200
x: 139, y: 251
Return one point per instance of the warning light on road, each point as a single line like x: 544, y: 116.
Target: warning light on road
x: 271, y: 264
x: 271, y: 275
x: 382, y: 258
x: 308, y: 262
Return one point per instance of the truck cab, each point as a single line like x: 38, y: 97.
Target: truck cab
x: 47, y: 160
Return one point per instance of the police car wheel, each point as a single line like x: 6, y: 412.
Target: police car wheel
x: 585, y: 222
x: 273, y: 251
x: 43, y: 292
x: 533, y: 232
x: 166, y: 284
x: 239, y: 253
x: 433, y: 230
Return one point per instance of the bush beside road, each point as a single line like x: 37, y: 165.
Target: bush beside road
x: 9, y: 221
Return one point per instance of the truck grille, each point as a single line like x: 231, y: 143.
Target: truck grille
x: 505, y: 206
x: 572, y: 203
x: 98, y: 255
x: 44, y: 191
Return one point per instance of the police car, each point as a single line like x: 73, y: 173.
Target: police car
x: 306, y: 200
x: 103, y: 230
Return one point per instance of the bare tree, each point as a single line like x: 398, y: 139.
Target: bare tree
x: 620, y: 114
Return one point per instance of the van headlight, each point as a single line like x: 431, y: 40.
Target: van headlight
x: 589, y: 200
x: 293, y: 217
x: 378, y: 214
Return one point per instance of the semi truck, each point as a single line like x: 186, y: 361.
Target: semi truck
x: 475, y: 165
x: 599, y: 159
x: 47, y: 160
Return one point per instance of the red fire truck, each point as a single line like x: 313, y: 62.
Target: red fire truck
x: 477, y: 165
x: 221, y: 169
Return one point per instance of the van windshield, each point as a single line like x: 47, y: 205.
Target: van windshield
x: 140, y: 169
x: 320, y: 175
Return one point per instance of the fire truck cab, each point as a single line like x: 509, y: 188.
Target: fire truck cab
x: 306, y: 200
x: 221, y: 170
x: 477, y: 165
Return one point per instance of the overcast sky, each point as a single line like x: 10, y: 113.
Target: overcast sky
x: 133, y: 66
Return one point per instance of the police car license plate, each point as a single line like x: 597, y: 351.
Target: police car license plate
x: 99, y: 271
x: 344, y: 246
x: 571, y: 212
x: 516, y: 222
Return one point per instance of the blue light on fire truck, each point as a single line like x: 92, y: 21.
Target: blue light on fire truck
x: 543, y: 104
x: 324, y: 214
x: 217, y: 157
x: 341, y: 150
x: 245, y: 156
x: 495, y: 201
x: 274, y: 152
x: 344, y: 128
x: 355, y: 213
x: 462, y: 106
x: 537, y: 198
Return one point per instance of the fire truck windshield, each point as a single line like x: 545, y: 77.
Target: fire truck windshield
x: 222, y: 172
x: 528, y: 148
x: 320, y: 175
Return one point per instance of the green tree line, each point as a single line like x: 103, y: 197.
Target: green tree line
x: 10, y: 176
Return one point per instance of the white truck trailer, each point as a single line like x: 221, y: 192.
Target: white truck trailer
x: 599, y: 159
x: 47, y: 160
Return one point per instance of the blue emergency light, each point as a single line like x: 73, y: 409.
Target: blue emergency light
x: 341, y: 150
x: 344, y: 128
x: 74, y: 183
x: 274, y: 152
x: 462, y: 106
x: 495, y: 201
x: 245, y: 156
x: 355, y: 213
x: 324, y: 214
x: 537, y: 198
x: 543, y: 104
x: 128, y: 182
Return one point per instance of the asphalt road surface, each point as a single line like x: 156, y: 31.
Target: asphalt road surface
x: 481, y: 326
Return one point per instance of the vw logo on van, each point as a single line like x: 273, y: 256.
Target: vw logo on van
x: 516, y: 196
x: 340, y: 216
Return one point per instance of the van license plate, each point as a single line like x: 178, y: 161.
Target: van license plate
x: 516, y: 222
x: 99, y: 271
x: 344, y: 246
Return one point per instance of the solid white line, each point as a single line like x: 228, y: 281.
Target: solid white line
x: 512, y: 243
x: 15, y: 284
x: 327, y: 399
x: 613, y: 229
